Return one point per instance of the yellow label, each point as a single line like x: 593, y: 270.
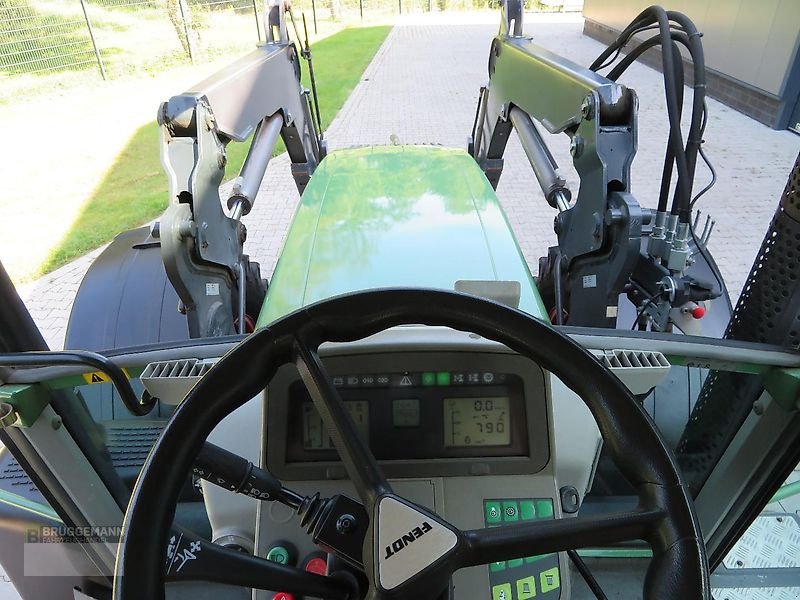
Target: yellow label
x: 100, y: 377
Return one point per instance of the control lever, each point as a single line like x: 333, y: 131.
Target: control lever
x: 236, y: 474
x: 338, y: 524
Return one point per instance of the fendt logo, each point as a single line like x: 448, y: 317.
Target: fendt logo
x: 408, y: 538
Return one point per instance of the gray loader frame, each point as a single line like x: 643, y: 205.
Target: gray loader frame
x: 599, y: 234
x: 201, y: 245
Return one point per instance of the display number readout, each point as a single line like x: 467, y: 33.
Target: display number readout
x: 315, y: 435
x: 476, y: 422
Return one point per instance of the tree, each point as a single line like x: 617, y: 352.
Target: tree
x: 180, y: 15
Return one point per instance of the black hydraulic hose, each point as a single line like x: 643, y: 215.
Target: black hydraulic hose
x: 630, y: 57
x: 703, y: 155
x: 583, y: 569
x: 669, y: 155
x: 620, y: 46
x: 82, y: 358
x: 694, y: 139
x: 689, y: 38
x: 622, y: 66
x: 655, y: 14
x: 682, y: 191
x: 641, y: 22
x: 644, y: 21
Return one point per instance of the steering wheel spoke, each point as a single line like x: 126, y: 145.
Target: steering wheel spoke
x: 354, y: 451
x: 190, y: 558
x: 482, y: 546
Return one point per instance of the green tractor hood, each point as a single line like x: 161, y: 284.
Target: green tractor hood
x: 398, y: 216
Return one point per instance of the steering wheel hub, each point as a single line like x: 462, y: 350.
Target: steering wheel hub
x: 409, y: 541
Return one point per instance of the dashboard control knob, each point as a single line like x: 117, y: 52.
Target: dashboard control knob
x: 570, y: 499
x: 282, y: 552
x: 345, y: 524
x: 316, y: 562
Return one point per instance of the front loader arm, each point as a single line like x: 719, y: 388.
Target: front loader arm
x: 599, y: 235
x: 201, y: 243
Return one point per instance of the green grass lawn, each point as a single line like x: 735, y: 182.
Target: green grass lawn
x: 134, y: 190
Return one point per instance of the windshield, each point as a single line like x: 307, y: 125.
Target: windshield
x: 249, y: 199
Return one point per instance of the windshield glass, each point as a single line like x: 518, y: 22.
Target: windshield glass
x: 260, y: 191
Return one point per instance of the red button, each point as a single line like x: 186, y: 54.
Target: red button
x: 317, y: 565
x: 283, y: 596
x: 698, y: 312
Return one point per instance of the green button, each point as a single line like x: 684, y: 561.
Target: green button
x: 526, y: 588
x: 502, y: 592
x: 516, y: 562
x: 443, y: 378
x: 527, y: 510
x: 510, y: 511
x: 428, y: 378
x: 497, y: 566
x: 278, y: 554
x: 492, y: 511
x: 549, y: 580
x: 544, y: 509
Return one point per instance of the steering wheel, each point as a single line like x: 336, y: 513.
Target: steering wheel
x: 664, y: 517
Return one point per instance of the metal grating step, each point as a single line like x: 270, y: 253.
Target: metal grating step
x: 764, y: 564
x: 771, y: 542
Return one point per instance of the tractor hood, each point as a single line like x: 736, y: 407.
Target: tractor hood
x: 398, y: 216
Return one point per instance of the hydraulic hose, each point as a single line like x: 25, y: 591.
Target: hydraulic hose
x: 684, y: 158
x: 84, y: 359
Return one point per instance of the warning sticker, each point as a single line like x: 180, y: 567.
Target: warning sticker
x: 100, y: 377
x: 96, y: 377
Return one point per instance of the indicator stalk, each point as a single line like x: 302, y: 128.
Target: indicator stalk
x: 236, y: 474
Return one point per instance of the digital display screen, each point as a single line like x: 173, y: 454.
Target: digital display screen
x: 315, y: 435
x: 476, y: 422
x: 405, y: 413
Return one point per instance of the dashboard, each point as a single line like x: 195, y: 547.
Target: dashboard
x: 431, y: 414
x: 459, y: 424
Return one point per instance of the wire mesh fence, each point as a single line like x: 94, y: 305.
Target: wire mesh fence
x: 119, y: 36
x: 33, y: 41
x: 109, y: 38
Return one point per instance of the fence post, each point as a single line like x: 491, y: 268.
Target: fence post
x: 255, y: 14
x: 94, y: 43
x: 314, y: 13
x: 181, y: 4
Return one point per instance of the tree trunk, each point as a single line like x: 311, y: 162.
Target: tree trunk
x: 180, y: 15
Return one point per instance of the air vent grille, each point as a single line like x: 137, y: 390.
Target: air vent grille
x: 171, y: 380
x: 188, y: 367
x: 639, y: 370
x: 622, y: 359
